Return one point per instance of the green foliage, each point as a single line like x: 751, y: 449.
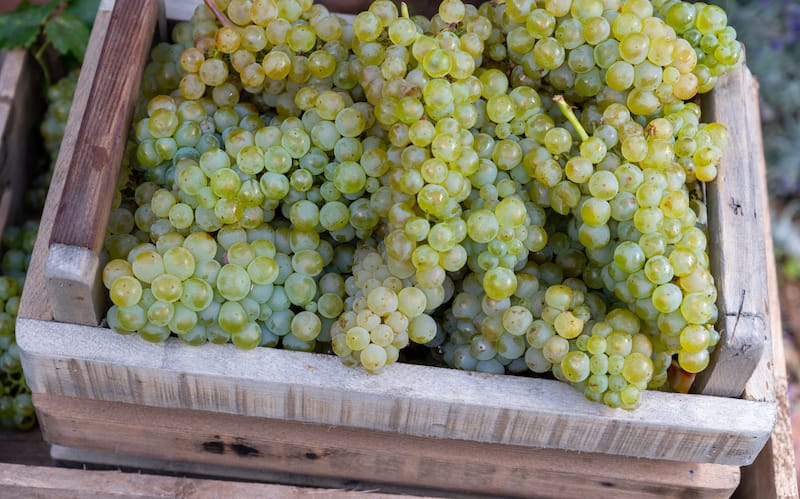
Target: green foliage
x: 68, y: 34
x: 20, y: 29
x: 63, y: 25
x: 84, y: 10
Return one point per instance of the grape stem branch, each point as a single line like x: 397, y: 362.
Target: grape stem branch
x: 219, y: 14
x: 568, y: 113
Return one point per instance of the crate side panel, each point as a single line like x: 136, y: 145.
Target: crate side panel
x: 93, y: 165
x: 20, y: 101
x: 736, y: 216
x: 24, y: 482
x: 102, y: 133
x: 773, y: 474
x: 457, y: 466
x: 34, y: 301
x: 417, y: 400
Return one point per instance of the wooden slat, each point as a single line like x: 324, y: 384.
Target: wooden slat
x: 12, y: 69
x: 20, y: 101
x: 93, y: 161
x: 34, y: 302
x: 343, y: 454
x: 27, y: 482
x: 408, y: 399
x: 738, y: 255
x: 773, y: 474
x: 74, y: 457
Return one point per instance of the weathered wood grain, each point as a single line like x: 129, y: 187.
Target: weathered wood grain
x: 30, y: 482
x: 23, y: 447
x: 20, y: 103
x: 773, y: 474
x: 93, y: 161
x: 34, y: 302
x: 737, y: 252
x: 343, y: 454
x: 95, y: 363
x: 73, y: 274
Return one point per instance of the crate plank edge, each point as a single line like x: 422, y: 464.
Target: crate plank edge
x: 314, y: 455
x: 23, y: 482
x: 94, y: 363
x: 19, y: 101
x: 82, y: 361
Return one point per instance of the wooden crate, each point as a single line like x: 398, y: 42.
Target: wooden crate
x: 298, y: 415
x: 20, y: 103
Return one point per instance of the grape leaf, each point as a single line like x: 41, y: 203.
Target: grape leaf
x: 21, y: 27
x: 85, y: 10
x: 68, y: 34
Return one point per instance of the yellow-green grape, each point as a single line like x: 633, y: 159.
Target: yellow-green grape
x: 500, y: 283
x: 555, y: 348
x: 695, y: 338
x: 422, y: 329
x: 638, y: 368
x: 693, y: 362
x: 357, y: 338
x: 373, y: 357
x: 197, y: 294
x: 126, y: 291
x: 567, y: 325
x: 233, y: 282
x: 306, y: 326
x: 575, y: 366
x: 167, y: 288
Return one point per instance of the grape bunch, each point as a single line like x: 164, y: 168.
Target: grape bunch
x: 59, y: 99
x: 509, y: 188
x: 16, y: 407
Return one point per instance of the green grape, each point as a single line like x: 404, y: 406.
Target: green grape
x: 693, y: 362
x: 629, y: 256
x: 638, y: 368
x: 179, y: 262
x: 167, y: 288
x: 595, y: 212
x: 233, y: 282
x: 575, y: 366
x: 197, y: 294
x: 125, y: 291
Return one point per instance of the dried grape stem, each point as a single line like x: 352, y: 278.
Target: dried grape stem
x: 220, y: 15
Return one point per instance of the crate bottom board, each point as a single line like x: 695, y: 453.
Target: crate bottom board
x: 24, y: 447
x: 226, y: 444
x: 72, y: 457
x: 94, y: 363
x: 19, y: 481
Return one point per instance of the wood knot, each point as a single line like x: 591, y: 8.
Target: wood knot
x: 736, y: 206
